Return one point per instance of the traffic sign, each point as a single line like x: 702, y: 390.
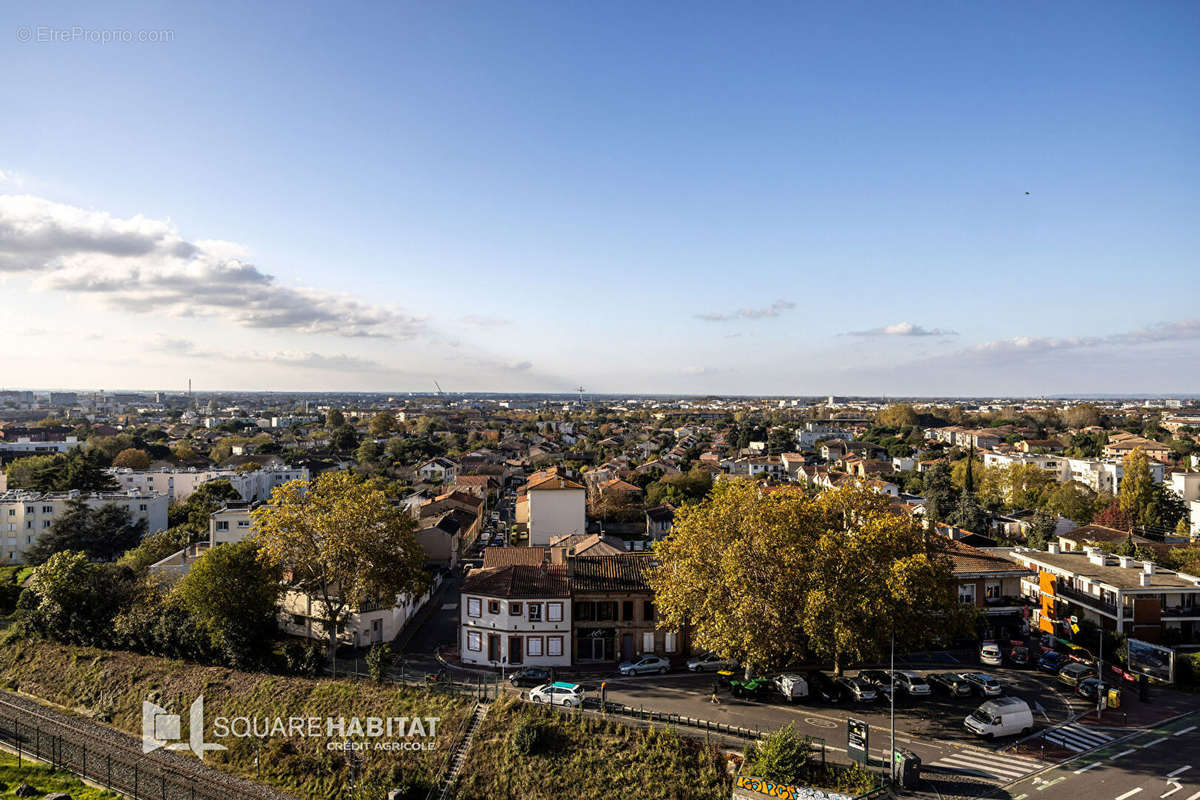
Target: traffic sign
x: 858, y: 739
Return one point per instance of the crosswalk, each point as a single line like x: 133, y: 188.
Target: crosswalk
x: 988, y: 764
x: 1076, y: 738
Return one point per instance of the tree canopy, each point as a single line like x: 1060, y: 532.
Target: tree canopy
x: 764, y: 576
x: 102, y: 534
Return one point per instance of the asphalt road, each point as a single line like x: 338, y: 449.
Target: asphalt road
x: 1160, y: 763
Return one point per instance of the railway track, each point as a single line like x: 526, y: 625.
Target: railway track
x: 106, y: 756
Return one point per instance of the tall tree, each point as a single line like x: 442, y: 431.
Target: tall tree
x: 341, y: 543
x: 233, y: 593
x: 334, y: 419
x: 1137, y: 487
x: 382, y: 423
x: 939, y: 491
x: 850, y: 567
x: 102, y: 534
x: 132, y: 458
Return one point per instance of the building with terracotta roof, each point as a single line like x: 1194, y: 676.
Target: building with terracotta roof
x: 551, y: 504
x: 991, y: 583
x: 517, y: 615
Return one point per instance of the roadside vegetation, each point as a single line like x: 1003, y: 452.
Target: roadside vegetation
x: 111, y: 686
x: 526, y: 752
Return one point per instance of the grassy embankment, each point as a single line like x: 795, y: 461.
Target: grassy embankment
x: 45, y: 780
x: 110, y: 686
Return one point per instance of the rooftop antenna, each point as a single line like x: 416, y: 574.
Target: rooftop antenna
x: 580, y: 395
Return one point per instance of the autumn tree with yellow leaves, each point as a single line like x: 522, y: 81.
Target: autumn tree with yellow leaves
x: 339, y: 540
x: 771, y: 577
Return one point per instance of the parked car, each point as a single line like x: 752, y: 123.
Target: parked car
x: 911, y: 683
x: 1019, y: 656
x: 793, y: 687
x: 531, y: 676
x: 1051, y: 661
x: 645, y: 665
x: 989, y: 653
x: 1075, y: 672
x: 1003, y: 716
x: 711, y: 662
x: 952, y: 682
x: 880, y: 679
x: 1091, y: 688
x: 857, y: 689
x: 558, y: 694
x: 824, y: 688
x: 983, y: 683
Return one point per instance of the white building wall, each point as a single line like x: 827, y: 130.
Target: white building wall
x: 24, y: 516
x: 495, y: 617
x: 556, y: 512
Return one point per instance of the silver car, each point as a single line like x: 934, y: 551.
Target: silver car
x: 645, y: 665
x: 711, y: 662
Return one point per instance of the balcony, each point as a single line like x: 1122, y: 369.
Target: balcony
x: 1181, y: 611
x: 1064, y: 592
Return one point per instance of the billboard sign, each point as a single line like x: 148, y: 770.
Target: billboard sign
x: 858, y: 739
x: 1152, y: 660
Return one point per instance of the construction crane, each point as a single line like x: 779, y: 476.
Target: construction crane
x: 439, y: 388
x: 580, y: 395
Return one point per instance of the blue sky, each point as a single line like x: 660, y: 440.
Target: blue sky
x: 704, y: 197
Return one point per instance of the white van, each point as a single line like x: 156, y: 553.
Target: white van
x: 989, y: 654
x: 1003, y: 716
x: 792, y: 687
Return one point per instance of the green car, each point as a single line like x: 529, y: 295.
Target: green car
x: 752, y: 688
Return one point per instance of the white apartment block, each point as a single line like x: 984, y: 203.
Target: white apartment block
x: 26, y: 515
x: 1100, y: 474
x: 27, y: 447
x: 178, y: 484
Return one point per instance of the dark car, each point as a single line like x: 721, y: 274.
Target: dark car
x: 1051, y: 661
x: 1019, y: 656
x: 1090, y: 688
x: 880, y: 679
x: 1075, y: 672
x: 824, y: 688
x: 856, y: 689
x: 952, y: 683
x: 531, y: 676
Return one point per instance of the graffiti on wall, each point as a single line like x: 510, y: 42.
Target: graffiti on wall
x: 783, y: 791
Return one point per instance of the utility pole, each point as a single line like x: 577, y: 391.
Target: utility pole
x: 892, y: 700
x: 1100, y: 675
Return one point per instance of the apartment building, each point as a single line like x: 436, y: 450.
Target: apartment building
x: 552, y: 505
x: 1100, y: 474
x: 25, y: 515
x: 1119, y: 593
x: 179, y: 484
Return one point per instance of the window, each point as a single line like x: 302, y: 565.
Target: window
x: 474, y: 641
x: 473, y: 607
x: 672, y: 642
x: 46, y: 524
x: 535, y: 612
x: 47, y: 509
x: 243, y: 523
x: 627, y: 610
x: 493, y: 606
x: 554, y: 612
x: 30, y: 509
x: 554, y: 645
x: 222, y: 525
x: 584, y: 611
x: 515, y: 609
x: 606, y: 611
x: 29, y: 525
x: 533, y: 645
x: 966, y: 593
x: 12, y: 512
x: 647, y: 610
x: 991, y: 590
x: 297, y: 619
x: 142, y: 507
x: 648, y: 642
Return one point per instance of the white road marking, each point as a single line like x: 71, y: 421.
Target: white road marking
x: 1176, y: 772
x: 1130, y: 793
x: 1004, y: 767
x: 1181, y: 733
x: 1160, y: 740
x: 1125, y: 752
x: 1196, y: 796
x: 1089, y: 766
x: 1173, y: 791
x: 1076, y: 738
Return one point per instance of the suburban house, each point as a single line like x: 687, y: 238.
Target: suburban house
x: 1101, y: 536
x: 482, y: 486
x: 438, y: 470
x: 1120, y: 593
x: 991, y: 583
x: 441, y: 537
x: 469, y: 514
x: 613, y: 611
x: 303, y: 615
x: 659, y: 521
x: 516, y: 615
x: 590, y: 544
x: 1122, y: 444
x: 551, y: 505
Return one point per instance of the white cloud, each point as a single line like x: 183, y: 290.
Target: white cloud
x: 903, y: 329
x: 773, y: 310
x: 143, y: 265
x: 484, y: 321
x: 185, y: 348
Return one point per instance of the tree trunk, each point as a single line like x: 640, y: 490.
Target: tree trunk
x: 837, y: 664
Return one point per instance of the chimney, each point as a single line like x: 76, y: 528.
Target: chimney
x: 1148, y: 567
x: 1125, y: 561
x: 1097, y: 557
x: 1052, y: 548
x: 558, y: 556
x: 1144, y: 579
